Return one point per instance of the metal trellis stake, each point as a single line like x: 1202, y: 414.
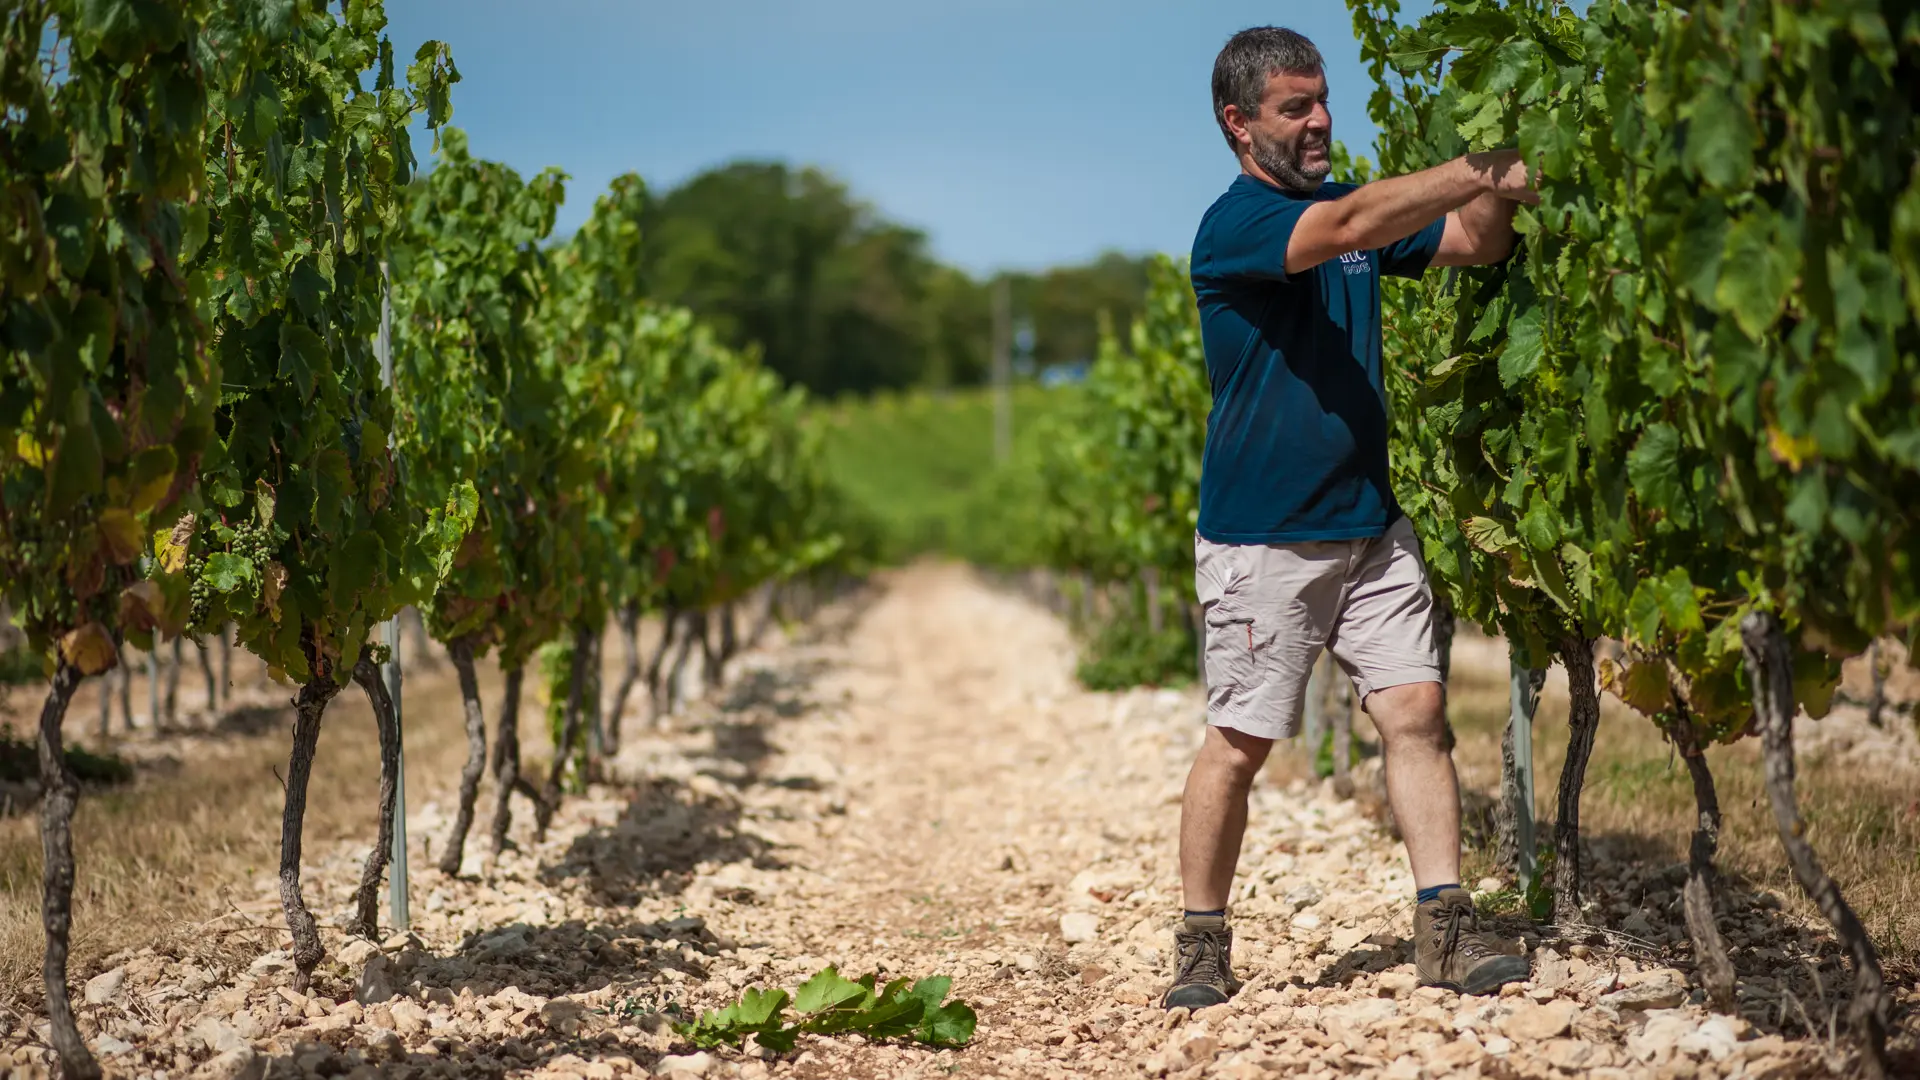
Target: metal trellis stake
x: 153, y: 669
x: 153, y: 685
x: 397, y: 883
x: 1524, y: 700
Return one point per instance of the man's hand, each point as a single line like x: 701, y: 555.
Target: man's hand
x: 1395, y: 208
x: 1506, y: 175
x: 1481, y: 232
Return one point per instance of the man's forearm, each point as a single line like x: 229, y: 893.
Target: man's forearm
x: 1488, y: 223
x: 1388, y: 210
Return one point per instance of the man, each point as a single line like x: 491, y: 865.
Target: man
x: 1301, y: 546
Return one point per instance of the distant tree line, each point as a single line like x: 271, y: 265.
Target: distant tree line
x: 840, y: 299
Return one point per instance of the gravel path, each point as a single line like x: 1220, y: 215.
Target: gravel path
x: 917, y: 785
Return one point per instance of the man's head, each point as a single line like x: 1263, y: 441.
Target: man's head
x: 1270, y: 98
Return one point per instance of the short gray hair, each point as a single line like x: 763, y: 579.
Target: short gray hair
x: 1245, y: 63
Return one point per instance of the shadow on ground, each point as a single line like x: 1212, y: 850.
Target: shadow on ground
x: 667, y: 829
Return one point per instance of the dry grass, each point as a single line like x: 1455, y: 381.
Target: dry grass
x: 201, y: 824
x: 1864, y: 815
x: 161, y: 857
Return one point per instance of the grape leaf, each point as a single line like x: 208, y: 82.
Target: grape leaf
x: 1653, y: 465
x: 226, y: 572
x: 827, y: 990
x: 951, y: 1024
x: 1720, y: 137
x: 1521, y: 356
x: 89, y: 648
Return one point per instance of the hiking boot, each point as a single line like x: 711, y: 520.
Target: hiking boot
x: 1203, y: 969
x: 1451, y: 952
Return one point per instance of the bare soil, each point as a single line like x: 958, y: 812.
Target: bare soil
x: 915, y: 784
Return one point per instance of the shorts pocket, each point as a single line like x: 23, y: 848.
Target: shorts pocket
x: 1232, y: 671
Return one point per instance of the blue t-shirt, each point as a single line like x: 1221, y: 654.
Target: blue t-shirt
x: 1297, y: 436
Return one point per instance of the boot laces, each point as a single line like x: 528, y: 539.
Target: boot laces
x: 1202, y: 958
x: 1460, y: 934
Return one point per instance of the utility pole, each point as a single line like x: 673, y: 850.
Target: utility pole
x: 397, y: 912
x: 1002, y: 370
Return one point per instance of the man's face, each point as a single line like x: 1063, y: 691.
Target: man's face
x: 1292, y: 138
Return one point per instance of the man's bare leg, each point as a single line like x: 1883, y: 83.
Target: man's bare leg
x: 1213, y: 818
x: 1422, y: 788
x: 1213, y: 814
x: 1449, y: 949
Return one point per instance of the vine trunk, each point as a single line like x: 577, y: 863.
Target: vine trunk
x: 506, y: 761
x: 693, y: 629
x: 206, y: 673
x: 1702, y: 894
x: 729, y: 634
x: 451, y: 852
x: 367, y: 899
x: 1770, y: 673
x: 549, y: 801
x: 1583, y: 720
x: 60, y: 791
x: 669, y: 624
x: 711, y: 663
x: 172, y: 705
x: 629, y: 672
x: 308, y: 708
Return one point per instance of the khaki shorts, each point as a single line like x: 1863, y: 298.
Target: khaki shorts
x: 1271, y: 608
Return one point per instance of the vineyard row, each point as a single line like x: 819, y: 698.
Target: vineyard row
x: 1679, y: 418
x: 262, y: 378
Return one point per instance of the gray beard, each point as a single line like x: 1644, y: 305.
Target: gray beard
x: 1285, y: 168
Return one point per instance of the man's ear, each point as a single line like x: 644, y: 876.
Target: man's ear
x: 1237, y: 124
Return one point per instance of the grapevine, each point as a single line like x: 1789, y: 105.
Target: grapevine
x: 1646, y: 426
x: 305, y: 536
x: 470, y: 277
x: 105, y: 388
x: 1677, y: 418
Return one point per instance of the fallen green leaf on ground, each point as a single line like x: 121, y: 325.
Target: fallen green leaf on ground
x: 829, y: 1003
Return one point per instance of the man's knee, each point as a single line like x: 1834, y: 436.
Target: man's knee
x: 1413, y: 714
x: 1236, y: 754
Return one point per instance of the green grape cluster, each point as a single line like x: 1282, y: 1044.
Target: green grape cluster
x: 199, y: 591
x: 256, y: 543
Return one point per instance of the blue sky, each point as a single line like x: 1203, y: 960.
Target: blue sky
x: 1017, y: 134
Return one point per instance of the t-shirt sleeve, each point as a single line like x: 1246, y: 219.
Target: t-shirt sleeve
x: 1411, y: 256
x: 1247, y: 238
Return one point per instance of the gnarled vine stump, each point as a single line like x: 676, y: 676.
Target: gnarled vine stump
x: 308, y: 708
x: 366, y: 921
x: 1583, y: 720
x: 452, y: 851
x: 1701, y: 897
x: 60, y: 791
x: 1770, y: 673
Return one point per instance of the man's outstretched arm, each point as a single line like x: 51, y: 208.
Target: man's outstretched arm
x: 1384, y: 211
x: 1477, y: 234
